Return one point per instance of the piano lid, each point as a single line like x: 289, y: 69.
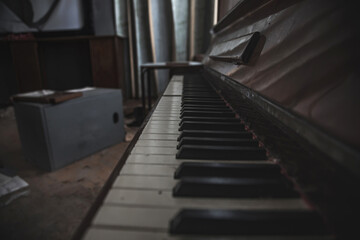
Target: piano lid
x: 305, y: 64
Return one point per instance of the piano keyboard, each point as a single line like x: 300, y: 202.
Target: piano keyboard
x: 206, y: 181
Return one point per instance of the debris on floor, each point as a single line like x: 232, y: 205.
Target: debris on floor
x: 11, y: 188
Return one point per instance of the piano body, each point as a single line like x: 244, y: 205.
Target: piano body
x: 261, y: 143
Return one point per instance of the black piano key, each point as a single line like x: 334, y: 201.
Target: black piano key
x: 241, y: 142
x: 197, y: 89
x: 206, y: 114
x: 247, y: 222
x: 190, y: 125
x: 214, y: 187
x: 207, y: 105
x: 206, y: 109
x: 204, y: 102
x: 220, y: 153
x: 203, y: 108
x: 228, y: 170
x: 211, y: 133
x: 210, y: 95
x: 197, y: 98
x: 209, y: 119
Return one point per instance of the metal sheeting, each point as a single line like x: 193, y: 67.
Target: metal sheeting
x: 121, y: 18
x: 162, y: 37
x: 181, y: 12
x: 142, y: 36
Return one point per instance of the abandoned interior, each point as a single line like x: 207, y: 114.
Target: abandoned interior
x: 179, y: 119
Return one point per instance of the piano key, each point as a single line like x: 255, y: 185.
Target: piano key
x: 141, y: 219
x: 195, y: 97
x: 131, y: 234
x: 160, y: 130
x: 229, y: 170
x: 165, y: 126
x: 113, y: 234
x: 197, y: 94
x: 158, y: 183
x: 165, y: 118
x: 164, y: 199
x: 132, y: 217
x: 206, y: 114
x: 218, y: 142
x: 221, y: 126
x: 205, y: 108
x: 172, y: 111
x: 209, y: 119
x: 152, y: 143
x: 155, y: 136
x: 234, y: 188
x: 154, y: 123
x: 154, y: 150
x: 210, y: 133
x: 165, y: 114
x: 148, y: 170
x: 157, y: 122
x: 171, y: 160
x: 203, y: 102
x: 143, y: 189
x: 202, y: 106
x: 220, y: 152
x: 235, y: 222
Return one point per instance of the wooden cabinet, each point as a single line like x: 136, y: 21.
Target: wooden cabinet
x: 26, y: 64
x: 69, y: 62
x: 107, y: 62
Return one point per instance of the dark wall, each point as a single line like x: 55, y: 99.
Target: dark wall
x: 65, y: 65
x: 8, y: 84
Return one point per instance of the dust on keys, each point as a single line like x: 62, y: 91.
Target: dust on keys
x: 195, y: 173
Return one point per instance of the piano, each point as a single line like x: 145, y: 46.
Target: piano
x: 261, y: 143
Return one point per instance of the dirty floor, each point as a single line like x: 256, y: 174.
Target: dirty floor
x: 58, y: 200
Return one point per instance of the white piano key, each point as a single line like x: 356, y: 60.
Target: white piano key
x: 171, y: 160
x: 143, y: 219
x: 161, y: 183
x: 149, y: 218
x: 155, y: 136
x: 148, y: 170
x: 172, y: 127
x: 164, y: 199
x: 153, y: 159
x: 168, y: 104
x: 170, y: 101
x: 166, y: 115
x: 152, y: 143
x: 97, y: 233
x: 162, y: 123
x: 154, y: 150
x: 159, y: 130
x: 166, y: 118
x: 171, y: 110
x: 168, y: 110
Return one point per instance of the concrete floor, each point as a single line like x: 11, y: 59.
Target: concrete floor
x: 58, y: 200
